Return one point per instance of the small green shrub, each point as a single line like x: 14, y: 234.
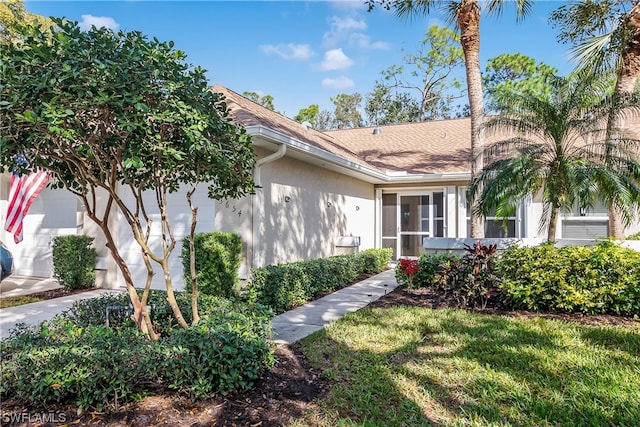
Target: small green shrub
x: 375, y: 260
x: 74, y: 261
x: 217, y: 262
x: 602, y: 279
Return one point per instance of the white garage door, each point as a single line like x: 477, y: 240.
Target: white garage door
x: 52, y: 213
x: 180, y: 217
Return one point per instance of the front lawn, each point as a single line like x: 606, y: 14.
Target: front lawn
x: 416, y: 366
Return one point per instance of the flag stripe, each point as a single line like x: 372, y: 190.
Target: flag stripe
x: 22, y: 192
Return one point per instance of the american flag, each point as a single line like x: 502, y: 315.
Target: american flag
x: 23, y: 190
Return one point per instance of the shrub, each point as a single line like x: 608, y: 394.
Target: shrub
x: 375, y: 260
x: 74, y: 261
x: 423, y: 272
x: 470, y: 279
x: 217, y: 262
x: 475, y: 281
x: 407, y: 271
x: 286, y: 286
x: 98, y: 366
x: 603, y: 279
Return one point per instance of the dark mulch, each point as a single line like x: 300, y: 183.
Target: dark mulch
x: 59, y: 292
x: 284, y: 393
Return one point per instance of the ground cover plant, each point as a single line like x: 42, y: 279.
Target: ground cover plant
x: 93, y: 356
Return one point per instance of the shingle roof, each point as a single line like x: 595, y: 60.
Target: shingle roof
x: 433, y: 147
x: 249, y: 113
x: 429, y: 147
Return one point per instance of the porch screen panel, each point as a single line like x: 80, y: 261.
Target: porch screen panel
x: 390, y: 222
x: 412, y: 245
x: 438, y: 214
x: 414, y: 211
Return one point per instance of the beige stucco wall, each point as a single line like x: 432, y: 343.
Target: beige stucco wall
x: 322, y: 205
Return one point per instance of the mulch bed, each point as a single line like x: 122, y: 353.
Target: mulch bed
x: 285, y: 392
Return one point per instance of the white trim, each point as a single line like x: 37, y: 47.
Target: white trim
x: 450, y: 212
x: 378, y: 219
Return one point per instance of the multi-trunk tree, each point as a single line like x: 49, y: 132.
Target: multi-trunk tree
x: 114, y: 117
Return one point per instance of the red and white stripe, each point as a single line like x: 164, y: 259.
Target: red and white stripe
x: 23, y: 190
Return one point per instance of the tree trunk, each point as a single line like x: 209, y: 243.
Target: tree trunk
x: 192, y: 260
x: 469, y: 25
x: 171, y: 297
x: 553, y: 225
x: 625, y: 87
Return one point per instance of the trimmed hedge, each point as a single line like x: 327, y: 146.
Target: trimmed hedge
x: 77, y: 359
x: 602, y: 279
x: 74, y: 261
x: 286, y: 286
x: 217, y: 262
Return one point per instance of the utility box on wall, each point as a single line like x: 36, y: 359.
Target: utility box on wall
x: 347, y: 245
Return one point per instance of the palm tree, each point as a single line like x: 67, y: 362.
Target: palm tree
x: 557, y: 146
x: 466, y: 15
x: 607, y: 39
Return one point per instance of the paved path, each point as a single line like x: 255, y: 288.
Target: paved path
x: 298, y: 323
x: 287, y: 327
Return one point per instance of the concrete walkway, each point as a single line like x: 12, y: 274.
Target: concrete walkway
x: 298, y: 323
x: 287, y: 327
x: 36, y: 312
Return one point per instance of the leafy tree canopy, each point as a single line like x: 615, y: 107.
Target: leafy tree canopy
x: 82, y: 102
x: 119, y: 113
x: 265, y: 100
x: 510, y: 74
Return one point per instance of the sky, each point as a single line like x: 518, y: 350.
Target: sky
x: 301, y: 52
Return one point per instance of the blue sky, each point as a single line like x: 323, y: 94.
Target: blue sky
x: 300, y: 52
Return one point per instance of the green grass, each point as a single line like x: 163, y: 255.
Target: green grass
x: 414, y: 367
x: 6, y: 302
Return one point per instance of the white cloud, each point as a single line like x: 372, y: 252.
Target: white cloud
x: 335, y: 59
x: 350, y: 30
x: 98, y: 21
x: 288, y: 51
x: 340, y: 29
x: 338, y: 83
x: 364, y: 41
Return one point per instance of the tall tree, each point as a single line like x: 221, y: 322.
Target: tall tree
x: 429, y: 73
x: 606, y: 36
x: 324, y: 120
x: 113, y: 116
x: 508, y: 74
x: 309, y: 115
x: 558, y: 146
x: 466, y: 15
x: 383, y: 107
x: 347, y: 110
x: 264, y: 100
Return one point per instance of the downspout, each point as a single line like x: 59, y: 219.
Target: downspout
x: 258, y: 201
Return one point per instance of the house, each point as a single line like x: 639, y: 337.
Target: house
x: 320, y: 194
